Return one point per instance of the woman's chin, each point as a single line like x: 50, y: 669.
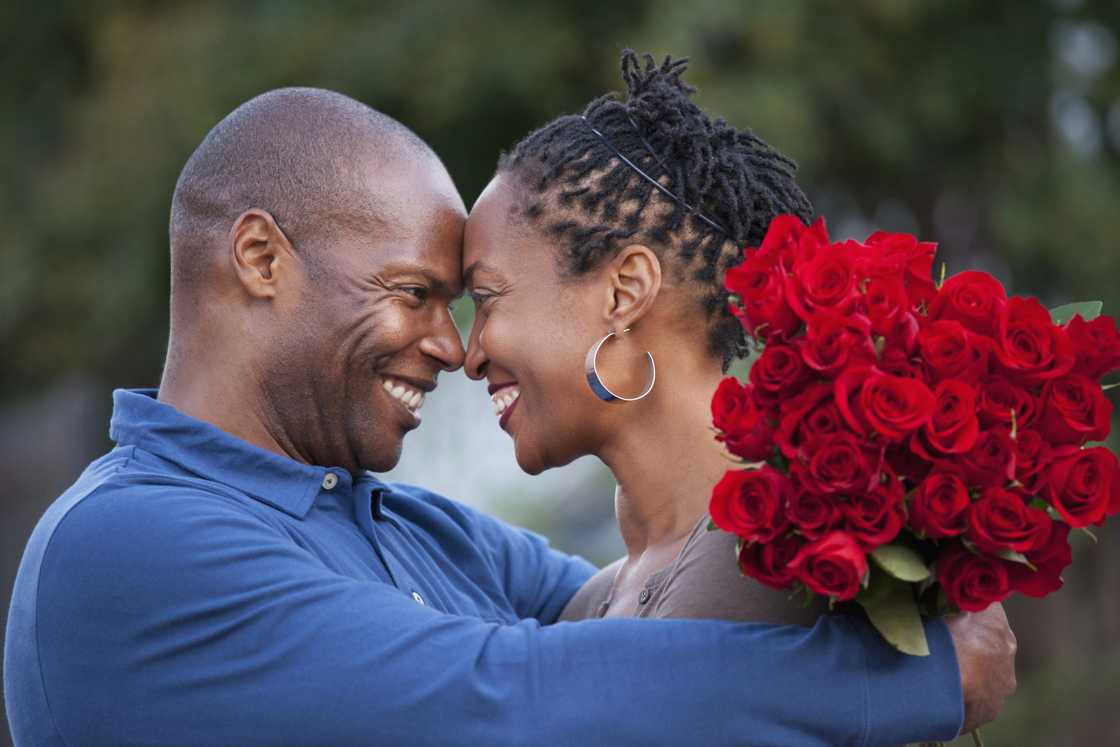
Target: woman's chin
x: 534, y: 460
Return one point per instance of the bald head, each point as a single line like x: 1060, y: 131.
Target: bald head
x: 298, y: 153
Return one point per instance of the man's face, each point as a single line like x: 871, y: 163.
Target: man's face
x: 372, y: 329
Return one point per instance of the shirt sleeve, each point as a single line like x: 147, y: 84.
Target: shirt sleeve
x: 537, y: 579
x: 170, y: 619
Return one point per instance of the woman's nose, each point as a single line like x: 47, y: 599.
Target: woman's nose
x: 476, y: 360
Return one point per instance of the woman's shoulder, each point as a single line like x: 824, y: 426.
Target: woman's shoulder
x: 706, y: 582
x: 587, y: 601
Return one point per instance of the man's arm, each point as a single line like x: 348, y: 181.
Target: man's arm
x: 166, y: 619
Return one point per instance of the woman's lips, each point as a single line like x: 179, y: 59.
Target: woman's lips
x: 504, y: 398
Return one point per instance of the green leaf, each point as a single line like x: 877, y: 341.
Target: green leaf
x: 1089, y: 310
x: 1017, y: 557
x: 901, y: 562
x: 891, y: 608
x: 712, y: 526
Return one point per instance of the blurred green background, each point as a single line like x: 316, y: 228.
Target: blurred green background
x: 990, y: 127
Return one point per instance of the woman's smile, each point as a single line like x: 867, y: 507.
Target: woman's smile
x: 504, y: 398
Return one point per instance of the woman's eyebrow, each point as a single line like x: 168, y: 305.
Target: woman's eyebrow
x: 476, y: 267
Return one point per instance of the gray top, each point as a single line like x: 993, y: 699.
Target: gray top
x: 703, y: 581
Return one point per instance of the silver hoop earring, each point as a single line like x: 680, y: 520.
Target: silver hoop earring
x: 591, y: 368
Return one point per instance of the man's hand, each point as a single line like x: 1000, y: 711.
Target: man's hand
x: 986, y: 654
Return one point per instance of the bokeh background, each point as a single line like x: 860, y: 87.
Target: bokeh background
x: 990, y: 127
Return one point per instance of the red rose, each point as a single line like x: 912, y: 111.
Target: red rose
x: 778, y: 372
x: 887, y: 305
x: 874, y: 518
x: 1001, y: 520
x: 999, y: 396
x: 827, y: 281
x: 1028, y: 344
x: 970, y: 581
x: 896, y: 361
x: 950, y: 351
x: 763, y: 311
x: 731, y: 403
x: 751, y: 503
x: 939, y: 507
x: 1032, y: 458
x: 902, y: 255
x: 789, y: 242
x: 809, y: 414
x: 812, y: 514
x: 1083, y: 485
x: 975, y: 299
x: 953, y: 428
x: 890, y: 406
x: 769, y: 562
x: 833, y: 566
x: 1049, y: 561
x: 838, y: 463
x: 744, y: 427
x: 832, y: 340
x: 1076, y: 411
x: 1096, y: 345
x: 991, y: 461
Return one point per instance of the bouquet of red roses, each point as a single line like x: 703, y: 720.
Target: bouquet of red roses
x: 917, y: 447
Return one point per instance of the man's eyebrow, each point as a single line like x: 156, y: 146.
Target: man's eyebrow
x: 437, y: 284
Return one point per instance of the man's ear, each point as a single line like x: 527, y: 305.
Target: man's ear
x: 259, y: 250
x: 634, y: 281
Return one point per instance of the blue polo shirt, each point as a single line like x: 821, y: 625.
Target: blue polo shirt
x: 192, y: 589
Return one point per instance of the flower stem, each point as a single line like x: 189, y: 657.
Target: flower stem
x: 976, y: 738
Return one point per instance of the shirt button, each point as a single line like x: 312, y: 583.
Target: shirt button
x: 329, y: 481
x: 417, y: 598
x: 644, y: 596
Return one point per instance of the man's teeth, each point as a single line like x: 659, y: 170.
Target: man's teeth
x: 502, y: 400
x: 406, y: 395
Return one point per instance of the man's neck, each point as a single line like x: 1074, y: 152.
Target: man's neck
x: 208, y: 390
x: 666, y: 462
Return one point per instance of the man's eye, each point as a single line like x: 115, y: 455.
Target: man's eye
x: 480, y: 298
x: 419, y: 292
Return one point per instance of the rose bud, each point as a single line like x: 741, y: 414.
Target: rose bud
x: 751, y: 503
x: 769, y: 562
x: 1075, y: 411
x: 971, y: 582
x: 1001, y: 520
x: 1083, y: 485
x: 833, y: 566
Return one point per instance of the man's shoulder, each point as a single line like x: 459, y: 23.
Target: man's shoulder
x: 117, y: 495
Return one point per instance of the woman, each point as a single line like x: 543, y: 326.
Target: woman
x: 595, y: 258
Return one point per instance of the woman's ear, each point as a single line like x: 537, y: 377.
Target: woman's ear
x: 634, y: 281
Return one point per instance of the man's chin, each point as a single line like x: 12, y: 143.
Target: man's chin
x: 383, y: 458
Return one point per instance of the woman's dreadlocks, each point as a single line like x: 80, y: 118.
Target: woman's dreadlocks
x: 584, y: 196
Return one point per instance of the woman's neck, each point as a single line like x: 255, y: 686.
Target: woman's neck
x: 666, y: 461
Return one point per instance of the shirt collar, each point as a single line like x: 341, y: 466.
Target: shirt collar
x: 140, y: 420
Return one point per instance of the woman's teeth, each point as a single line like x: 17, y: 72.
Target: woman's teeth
x: 406, y: 395
x: 503, y: 399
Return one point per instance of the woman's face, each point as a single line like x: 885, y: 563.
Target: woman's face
x: 531, y: 333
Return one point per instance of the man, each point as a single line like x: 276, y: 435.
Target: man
x: 231, y: 573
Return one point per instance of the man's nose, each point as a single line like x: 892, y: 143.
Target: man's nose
x: 444, y: 344
x: 477, y: 359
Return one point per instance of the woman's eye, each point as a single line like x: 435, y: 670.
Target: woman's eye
x: 480, y: 298
x: 417, y: 291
